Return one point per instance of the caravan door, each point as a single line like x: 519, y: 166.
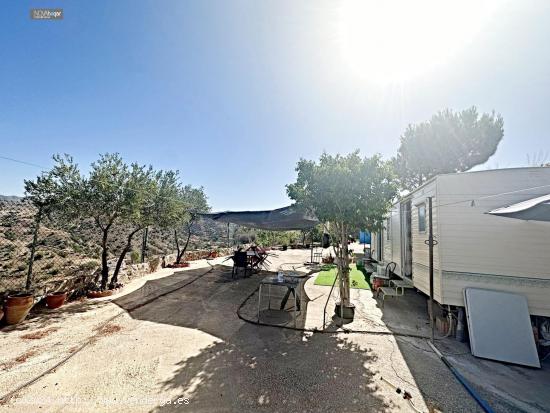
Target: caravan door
x: 395, y: 231
x: 406, y: 238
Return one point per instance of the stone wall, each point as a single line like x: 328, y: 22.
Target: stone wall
x: 127, y: 273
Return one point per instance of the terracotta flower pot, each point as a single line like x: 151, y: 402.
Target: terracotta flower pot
x: 17, y: 313
x: 20, y: 300
x: 180, y: 265
x: 101, y: 294
x: 56, y: 300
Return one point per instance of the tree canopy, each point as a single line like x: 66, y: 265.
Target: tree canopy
x: 448, y: 142
x: 118, y: 195
x: 348, y: 192
x: 350, y: 189
x: 192, y: 201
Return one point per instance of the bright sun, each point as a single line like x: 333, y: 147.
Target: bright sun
x: 394, y: 41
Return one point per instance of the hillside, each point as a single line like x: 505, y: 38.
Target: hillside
x: 71, y: 251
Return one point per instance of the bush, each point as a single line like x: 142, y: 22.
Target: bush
x: 135, y: 257
x: 10, y: 235
x: 154, y: 264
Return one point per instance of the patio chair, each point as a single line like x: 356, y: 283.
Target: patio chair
x: 379, y: 281
x: 240, y: 260
x: 390, y: 269
x: 317, y: 257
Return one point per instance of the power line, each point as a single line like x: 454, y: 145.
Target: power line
x: 22, y: 162
x: 126, y: 188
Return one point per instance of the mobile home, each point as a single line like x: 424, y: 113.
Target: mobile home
x: 474, y: 249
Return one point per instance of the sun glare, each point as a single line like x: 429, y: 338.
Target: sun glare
x: 394, y: 41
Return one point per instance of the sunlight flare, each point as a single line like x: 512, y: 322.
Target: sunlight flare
x: 395, y: 41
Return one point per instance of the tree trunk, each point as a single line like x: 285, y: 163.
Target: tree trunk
x: 177, y: 246
x: 125, y: 250
x: 182, y: 254
x: 343, y: 266
x: 37, y: 222
x: 144, y: 244
x: 104, y: 253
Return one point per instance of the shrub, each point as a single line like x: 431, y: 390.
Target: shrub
x: 135, y: 257
x: 154, y: 263
x: 10, y: 235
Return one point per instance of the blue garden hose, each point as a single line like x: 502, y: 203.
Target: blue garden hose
x: 484, y: 405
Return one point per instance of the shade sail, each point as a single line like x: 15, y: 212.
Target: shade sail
x: 536, y: 209
x: 281, y: 219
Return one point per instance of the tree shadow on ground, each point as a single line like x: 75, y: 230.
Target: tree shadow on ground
x: 267, y: 369
x: 436, y: 383
x: 40, y: 316
x: 253, y: 368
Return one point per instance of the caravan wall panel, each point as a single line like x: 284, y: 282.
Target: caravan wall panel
x: 486, y: 251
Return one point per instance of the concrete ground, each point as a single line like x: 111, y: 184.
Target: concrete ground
x: 174, y: 341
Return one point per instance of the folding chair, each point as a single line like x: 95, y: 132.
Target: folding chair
x: 240, y: 260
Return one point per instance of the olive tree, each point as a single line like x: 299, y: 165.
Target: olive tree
x: 49, y: 193
x: 346, y: 192
x: 193, y: 201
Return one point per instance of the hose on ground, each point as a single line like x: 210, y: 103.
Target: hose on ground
x: 316, y: 330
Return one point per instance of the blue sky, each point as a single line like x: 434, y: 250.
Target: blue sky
x: 233, y: 93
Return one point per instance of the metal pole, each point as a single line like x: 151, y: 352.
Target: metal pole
x: 431, y: 261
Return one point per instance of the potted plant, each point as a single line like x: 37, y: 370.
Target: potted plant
x: 183, y: 264
x: 346, y: 192
x: 56, y: 299
x: 17, y: 307
x: 96, y: 292
x: 329, y: 259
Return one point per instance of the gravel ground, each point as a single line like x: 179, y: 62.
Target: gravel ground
x: 173, y: 341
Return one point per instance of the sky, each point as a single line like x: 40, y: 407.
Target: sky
x: 234, y: 93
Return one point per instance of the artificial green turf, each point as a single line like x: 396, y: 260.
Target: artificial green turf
x: 328, y: 273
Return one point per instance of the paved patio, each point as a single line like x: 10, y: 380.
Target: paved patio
x: 169, y: 340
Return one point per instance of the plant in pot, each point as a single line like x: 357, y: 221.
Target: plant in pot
x: 94, y: 291
x: 56, y: 299
x: 347, y: 193
x: 18, y: 306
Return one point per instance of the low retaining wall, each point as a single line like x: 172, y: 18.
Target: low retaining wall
x: 127, y: 273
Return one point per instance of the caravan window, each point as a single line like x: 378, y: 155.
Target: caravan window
x: 422, y: 218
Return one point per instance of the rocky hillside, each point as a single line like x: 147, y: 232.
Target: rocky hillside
x: 72, y: 251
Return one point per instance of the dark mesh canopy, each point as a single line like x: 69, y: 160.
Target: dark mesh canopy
x: 281, y: 219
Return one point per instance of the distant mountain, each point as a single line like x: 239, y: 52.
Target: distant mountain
x: 10, y: 198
